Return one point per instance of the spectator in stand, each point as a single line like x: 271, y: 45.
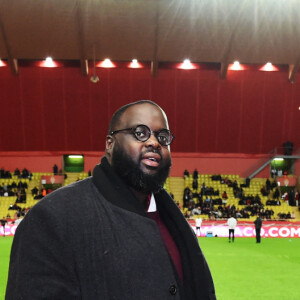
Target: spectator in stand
x: 195, y: 174
x: 179, y: 205
x: 247, y: 183
x: 274, y: 184
x: 186, y: 173
x: 234, y: 185
x: 196, y: 211
x: 257, y: 199
x: 238, y: 214
x: 25, y: 173
x: 264, y: 191
x: 224, y: 195
x: 228, y: 182
x: 292, y: 197
x: 258, y: 224
x: 231, y: 222
x: 268, y: 184
x: 34, y: 191
x: 195, y: 184
x: 276, y: 194
x: 17, y: 172
x: 186, y: 197
x: 297, y: 199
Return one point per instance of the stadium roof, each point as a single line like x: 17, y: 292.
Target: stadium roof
x: 217, y: 31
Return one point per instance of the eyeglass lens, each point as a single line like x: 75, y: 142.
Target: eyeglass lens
x: 143, y: 133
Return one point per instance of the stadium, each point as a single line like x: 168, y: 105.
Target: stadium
x: 226, y: 73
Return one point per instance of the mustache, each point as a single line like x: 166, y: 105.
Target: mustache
x: 152, y: 150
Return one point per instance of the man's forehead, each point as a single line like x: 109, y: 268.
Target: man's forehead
x: 146, y: 113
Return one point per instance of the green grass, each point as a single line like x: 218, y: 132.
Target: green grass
x: 241, y: 270
x: 5, y: 245
x: 245, y: 270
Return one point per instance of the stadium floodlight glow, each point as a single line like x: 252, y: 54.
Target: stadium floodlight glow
x: 106, y: 63
x: 75, y: 156
x: 48, y: 63
x: 279, y: 158
x: 2, y: 63
x: 135, y: 64
x: 268, y: 67
x: 187, y: 65
x: 236, y: 66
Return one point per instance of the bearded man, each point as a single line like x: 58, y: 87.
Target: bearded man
x: 117, y: 234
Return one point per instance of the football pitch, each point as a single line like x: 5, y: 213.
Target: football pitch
x: 242, y: 270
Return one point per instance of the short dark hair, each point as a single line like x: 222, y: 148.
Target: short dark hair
x: 117, y: 115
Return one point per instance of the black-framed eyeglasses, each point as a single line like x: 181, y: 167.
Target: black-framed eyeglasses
x: 142, y: 133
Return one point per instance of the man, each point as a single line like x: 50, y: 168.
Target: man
x: 198, y: 225
x: 117, y: 234
x: 231, y: 222
x: 3, y: 222
x: 258, y: 224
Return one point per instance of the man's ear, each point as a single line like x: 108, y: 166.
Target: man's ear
x: 109, y: 145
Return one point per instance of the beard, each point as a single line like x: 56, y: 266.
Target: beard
x: 131, y: 172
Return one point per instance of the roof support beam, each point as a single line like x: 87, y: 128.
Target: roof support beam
x: 293, y: 69
x: 154, y: 62
x: 224, y: 68
x: 81, y: 45
x: 154, y: 68
x: 225, y: 60
x: 12, y: 62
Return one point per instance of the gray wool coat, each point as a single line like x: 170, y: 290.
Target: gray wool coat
x: 93, y: 240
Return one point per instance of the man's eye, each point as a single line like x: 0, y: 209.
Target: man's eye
x: 162, y: 138
x: 140, y: 134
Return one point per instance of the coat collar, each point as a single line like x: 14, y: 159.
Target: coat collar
x: 114, y: 189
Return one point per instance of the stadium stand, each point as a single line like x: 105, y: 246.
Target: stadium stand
x: 215, y: 186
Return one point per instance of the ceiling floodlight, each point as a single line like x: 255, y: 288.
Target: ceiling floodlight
x: 279, y: 158
x: 48, y: 63
x: 2, y: 63
x: 106, y: 63
x: 135, y: 64
x: 75, y: 156
x: 268, y: 67
x: 187, y: 65
x: 236, y: 66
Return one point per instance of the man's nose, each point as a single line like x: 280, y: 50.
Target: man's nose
x: 152, y: 141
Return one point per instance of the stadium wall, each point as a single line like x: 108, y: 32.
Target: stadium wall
x: 58, y: 109
x: 206, y: 163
